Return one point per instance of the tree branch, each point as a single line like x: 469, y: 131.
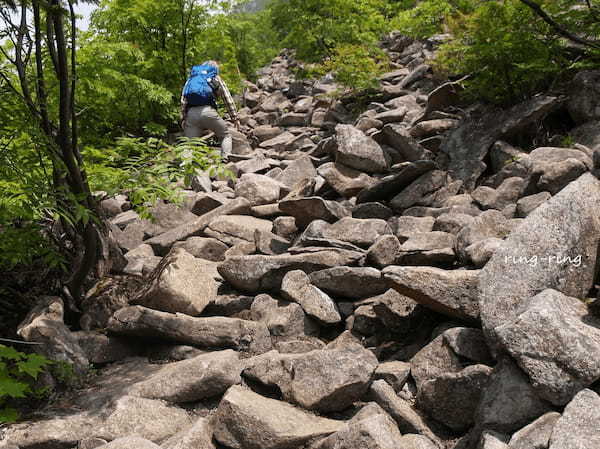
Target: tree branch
x: 557, y: 27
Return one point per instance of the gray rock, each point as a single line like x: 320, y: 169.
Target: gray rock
x: 362, y: 233
x: 468, y: 343
x: 285, y: 227
x: 434, y: 360
x: 358, y: 151
x: 298, y: 345
x: 149, y: 419
x: 490, y: 224
x: 468, y: 145
x: 564, y: 226
x: 163, y: 243
x: 450, y: 292
x: 269, y: 243
x: 234, y: 229
x: 584, y: 97
x: 305, y: 210
x: 509, y: 401
x: 257, y: 272
x: 535, y: 435
x: 392, y: 184
x: 372, y: 210
x: 384, y: 251
x: 577, y: 428
x: 204, y: 248
x: 324, y: 380
x: 428, y: 248
x: 198, y: 436
x: 508, y: 193
x: 191, y: 380
x: 350, y: 282
x: 246, y: 420
x: 492, y: 440
x: 212, y: 332
x: 346, y: 181
x: 452, y: 398
x: 205, y: 202
x: 452, y: 222
x: 414, y: 193
x: 44, y: 324
x: 258, y: 189
x: 282, y: 318
x: 408, y: 419
x: 394, y: 373
x: 482, y: 251
x: 297, y: 171
x: 296, y: 287
x: 399, y: 137
x: 413, y: 441
x: 374, y: 432
x: 100, y: 348
x: 404, y: 227
x: 587, y: 134
x: 429, y: 128
x: 179, y: 284
x: 528, y: 204
x: 557, y: 176
x: 129, y: 443
x: 557, y: 343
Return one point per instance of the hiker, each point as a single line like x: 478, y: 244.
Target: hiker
x: 199, y: 105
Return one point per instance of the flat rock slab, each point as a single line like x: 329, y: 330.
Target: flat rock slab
x: 296, y: 287
x: 306, y: 210
x: 557, y: 343
x: 350, y: 282
x: 578, y: 427
x: 359, y: 151
x: 555, y: 247
x: 324, y: 380
x: 450, y: 292
x: 246, y: 420
x: 258, y: 273
x: 212, y: 332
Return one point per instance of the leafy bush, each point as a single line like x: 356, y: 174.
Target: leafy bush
x: 18, y: 372
x: 147, y: 169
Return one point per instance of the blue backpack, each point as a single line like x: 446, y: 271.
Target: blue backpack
x: 198, y: 90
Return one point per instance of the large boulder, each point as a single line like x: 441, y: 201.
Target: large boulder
x: 257, y: 272
x: 555, y: 247
x: 358, y: 151
x: 557, y: 343
x: 44, y: 325
x: 212, y: 332
x: 578, y: 427
x: 450, y: 292
x: 469, y: 144
x: 191, y: 380
x: 246, y: 420
x: 296, y: 287
x: 179, y: 284
x: 324, y: 380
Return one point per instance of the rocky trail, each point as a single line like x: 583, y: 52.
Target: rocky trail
x: 414, y: 277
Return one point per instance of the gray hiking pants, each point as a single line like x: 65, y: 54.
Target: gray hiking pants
x: 200, y: 118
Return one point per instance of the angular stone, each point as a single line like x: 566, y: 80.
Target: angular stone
x: 399, y: 137
x: 578, y: 428
x: 358, y: 151
x: 452, y: 398
x: 297, y: 171
x: 362, y: 233
x: 129, y: 443
x: 429, y: 128
x: 257, y: 272
x: 452, y: 222
x: 434, y: 360
x: 258, y: 189
x: 198, y: 436
x: 350, y: 282
x: 584, y: 97
x: 191, y: 380
x: 344, y: 180
x: 384, y: 251
x: 414, y: 193
x: 397, y: 182
x: 493, y: 440
x: 528, y: 204
x: 490, y: 224
x: 564, y: 226
x: 296, y: 287
x: 234, y: 229
x: 372, y: 210
x: 469, y: 144
x: 508, y: 193
x: 394, y: 373
x: 535, y: 435
x: 282, y: 318
x: 557, y: 176
x: 450, y: 292
x: 509, y: 401
x: 305, y: 210
x: 374, y: 432
x: 100, y: 348
x: 557, y: 343
x: 324, y: 380
x: 285, y: 227
x: 179, y: 284
x: 404, y: 227
x: 204, y: 248
x: 246, y: 420
x: 481, y: 252
x: 212, y: 332
x: 428, y: 248
x: 468, y: 343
